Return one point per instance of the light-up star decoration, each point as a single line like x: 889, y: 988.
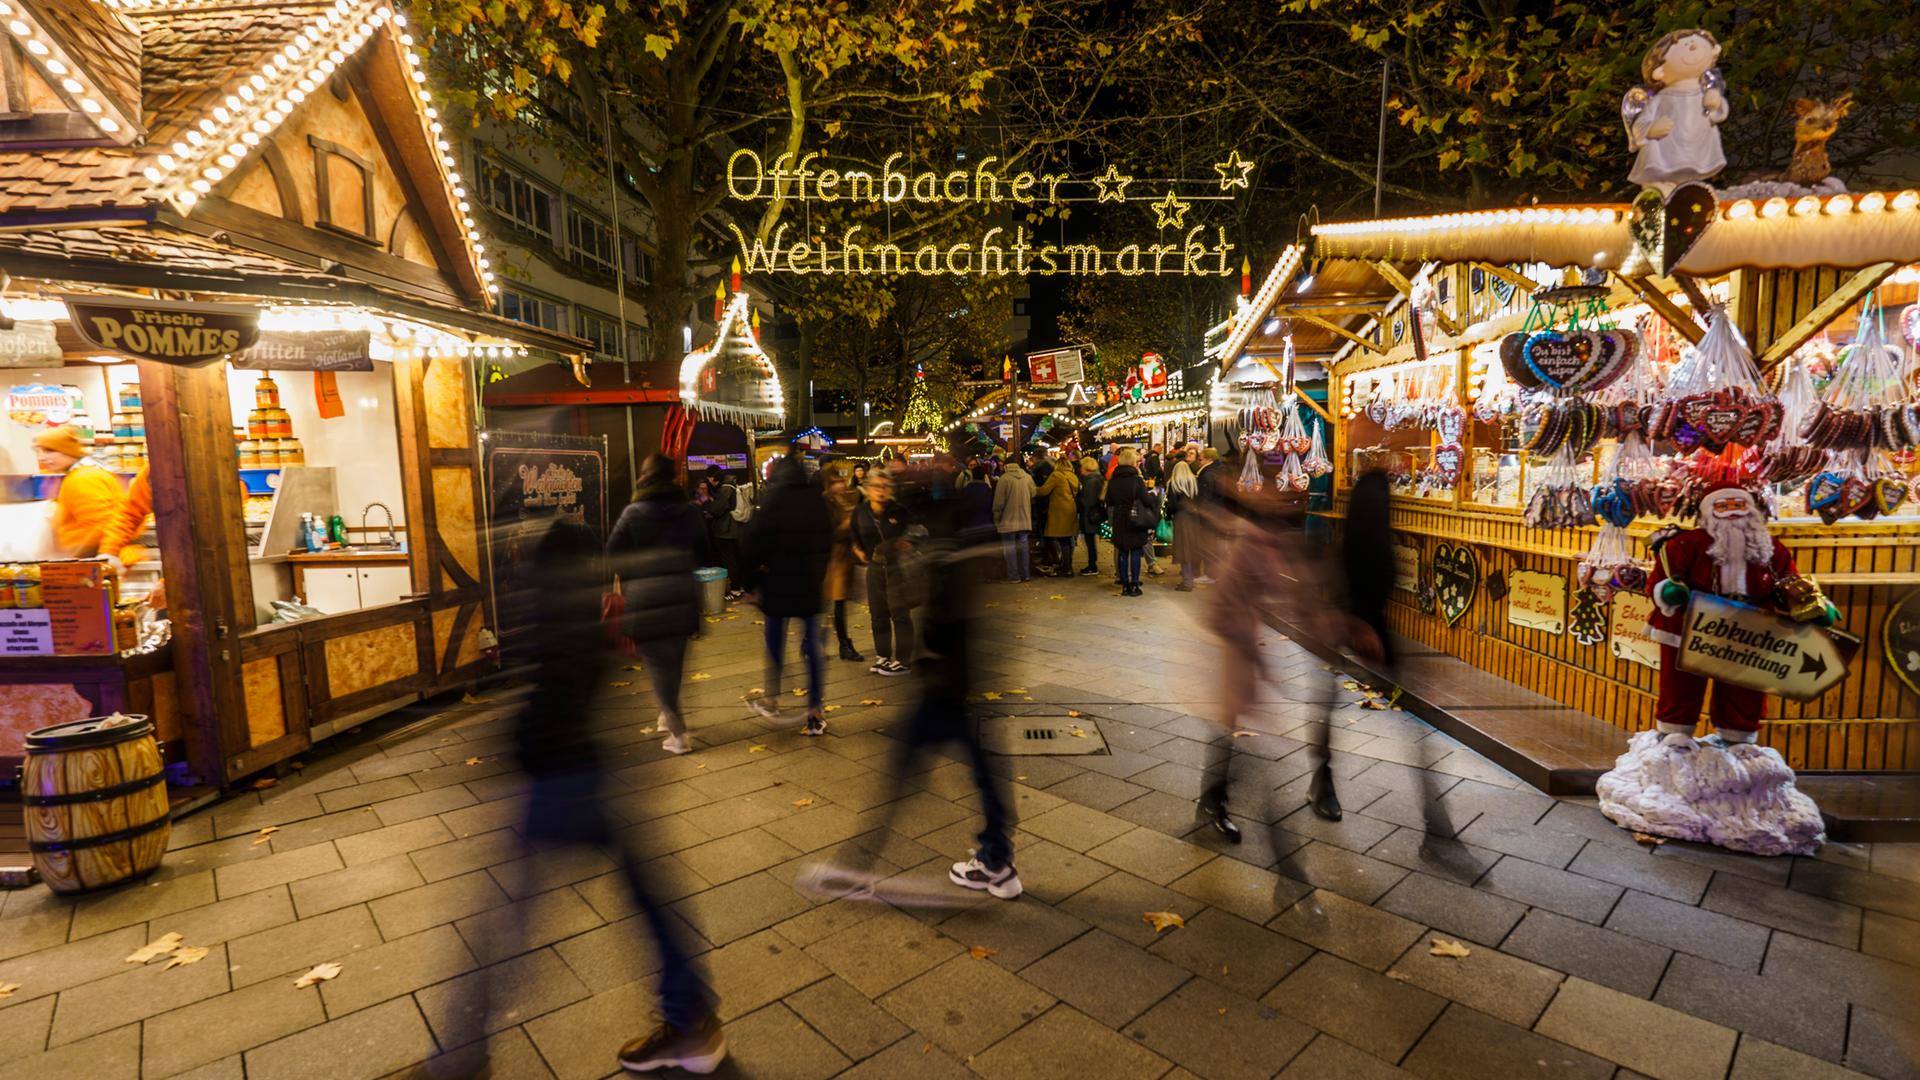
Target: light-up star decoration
x: 1113, y: 186
x: 1233, y: 171
x: 1170, y: 212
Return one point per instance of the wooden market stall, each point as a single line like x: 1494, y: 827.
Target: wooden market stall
x: 276, y: 172
x: 1420, y: 389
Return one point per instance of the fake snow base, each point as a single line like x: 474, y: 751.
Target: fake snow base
x: 1737, y: 796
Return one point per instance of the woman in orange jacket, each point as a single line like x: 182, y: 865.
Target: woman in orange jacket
x: 90, y: 497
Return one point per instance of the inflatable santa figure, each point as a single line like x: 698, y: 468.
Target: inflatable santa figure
x: 1728, y: 790
x: 1732, y: 555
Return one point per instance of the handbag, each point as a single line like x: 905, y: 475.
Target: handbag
x: 1145, y: 511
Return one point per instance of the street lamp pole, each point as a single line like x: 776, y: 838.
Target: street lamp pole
x: 619, y: 278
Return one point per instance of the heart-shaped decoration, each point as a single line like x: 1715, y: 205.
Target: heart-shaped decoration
x: 1451, y: 425
x: 1446, y: 463
x: 1824, y: 491
x: 1721, y: 422
x: 1889, y: 492
x: 1752, y: 426
x: 1684, y: 219
x: 1855, y: 495
x: 1666, y: 497
x: 1513, y: 357
x: 1902, y: 637
x: 1456, y: 577
x: 1558, y: 359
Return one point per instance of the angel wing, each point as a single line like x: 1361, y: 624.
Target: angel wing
x: 1713, y: 80
x: 1631, y: 108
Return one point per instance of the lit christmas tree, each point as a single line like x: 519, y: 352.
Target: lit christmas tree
x: 922, y: 413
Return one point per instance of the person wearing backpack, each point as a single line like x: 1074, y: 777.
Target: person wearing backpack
x: 1134, y: 510
x: 727, y: 513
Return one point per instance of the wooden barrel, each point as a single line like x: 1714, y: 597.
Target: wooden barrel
x: 95, y: 795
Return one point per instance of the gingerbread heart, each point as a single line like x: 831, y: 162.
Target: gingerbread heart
x: 1666, y: 497
x: 1513, y: 358
x: 1889, y: 492
x: 1721, y: 422
x: 1752, y: 426
x: 1558, y: 359
x: 1823, y: 491
x: 1855, y: 495
x: 1688, y: 211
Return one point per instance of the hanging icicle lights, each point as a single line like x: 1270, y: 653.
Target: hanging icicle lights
x: 999, y: 251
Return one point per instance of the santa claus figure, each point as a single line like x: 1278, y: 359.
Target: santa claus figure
x: 1732, y: 555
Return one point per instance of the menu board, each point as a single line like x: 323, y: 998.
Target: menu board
x: 80, y: 606
x: 1537, y: 601
x: 26, y: 633
x: 1627, y: 636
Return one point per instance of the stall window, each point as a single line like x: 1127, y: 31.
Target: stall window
x: 603, y: 332
x: 344, y: 181
x: 533, y: 310
x: 589, y: 242
x: 517, y: 198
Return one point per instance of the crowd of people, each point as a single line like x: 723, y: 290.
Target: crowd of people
x: 919, y: 542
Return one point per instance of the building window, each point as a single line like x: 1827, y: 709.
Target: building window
x: 533, y: 310
x: 641, y: 340
x: 603, y: 332
x: 516, y: 198
x: 344, y: 183
x: 639, y: 261
x: 589, y: 242
x: 1019, y: 308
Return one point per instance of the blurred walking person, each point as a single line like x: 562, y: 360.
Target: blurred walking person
x: 788, y: 545
x: 722, y: 509
x: 842, y: 499
x: 879, y: 544
x: 1013, y: 519
x: 555, y: 744
x: 1093, y: 511
x: 1134, y: 512
x: 653, y: 551
x: 1060, y: 495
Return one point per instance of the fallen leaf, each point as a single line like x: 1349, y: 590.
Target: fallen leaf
x: 1349, y: 684
x: 799, y: 691
x: 1223, y: 969
x: 1223, y: 1011
x: 1073, y: 712
x: 472, y: 761
x: 184, y: 955
x: 713, y: 618
x: 159, y: 946
x: 634, y: 667
x: 756, y: 749
x: 264, y: 783
x: 1019, y: 637
x: 803, y: 802
x: 269, y: 830
x: 1160, y: 920
x: 872, y: 701
x: 1077, y: 733
x: 7, y: 989
x: 1444, y: 947
x: 1375, y: 704
x: 699, y: 764
x: 1056, y: 596
x: 1394, y: 698
x: 296, y: 766
x: 471, y: 698
x: 1019, y: 778
x: 926, y: 1047
x: 991, y: 695
x: 730, y: 618
x: 320, y: 973
x: 618, y: 683
x: 829, y: 708
x: 981, y: 952
x: 1648, y: 839
x: 756, y: 691
x: 265, y: 835
x: 699, y: 676
x: 1245, y: 734
x: 1018, y: 690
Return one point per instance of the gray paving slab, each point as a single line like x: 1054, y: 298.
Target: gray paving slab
x: 1794, y: 1012
x: 1627, y: 964
x: 1468, y: 1045
x: 1375, y: 1013
x: 1651, y: 1039
x: 1720, y: 938
x: 1457, y: 910
x: 1216, y: 1033
x: 1486, y: 980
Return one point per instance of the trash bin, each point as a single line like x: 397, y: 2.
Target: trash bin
x: 713, y: 588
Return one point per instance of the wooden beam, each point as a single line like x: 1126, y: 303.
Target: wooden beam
x: 1343, y: 332
x: 1304, y: 399
x: 1369, y: 308
x: 1391, y: 275
x: 1656, y: 299
x: 1848, y: 294
x: 1518, y: 281
x: 1698, y: 296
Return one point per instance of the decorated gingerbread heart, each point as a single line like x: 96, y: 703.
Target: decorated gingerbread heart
x: 1513, y: 358
x: 1889, y: 492
x: 1855, y: 495
x: 1558, y: 359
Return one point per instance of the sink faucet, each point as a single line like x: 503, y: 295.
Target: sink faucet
x: 391, y: 539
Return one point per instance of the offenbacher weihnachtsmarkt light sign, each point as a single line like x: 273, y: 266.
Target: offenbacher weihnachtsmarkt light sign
x: 998, y: 251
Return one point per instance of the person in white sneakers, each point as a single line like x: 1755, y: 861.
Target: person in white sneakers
x: 879, y: 540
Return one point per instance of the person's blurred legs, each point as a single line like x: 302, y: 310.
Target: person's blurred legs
x: 1093, y: 552
x: 666, y: 661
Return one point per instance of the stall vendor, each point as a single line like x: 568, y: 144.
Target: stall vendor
x: 90, y: 497
x: 117, y: 541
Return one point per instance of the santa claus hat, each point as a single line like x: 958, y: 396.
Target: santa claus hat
x: 1709, y: 476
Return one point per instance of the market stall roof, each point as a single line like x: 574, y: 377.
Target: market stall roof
x: 159, y: 256
x: 208, y: 85
x: 1324, y: 306
x: 731, y: 378
x: 1843, y: 231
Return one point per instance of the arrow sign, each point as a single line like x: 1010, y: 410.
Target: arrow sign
x: 1762, y: 651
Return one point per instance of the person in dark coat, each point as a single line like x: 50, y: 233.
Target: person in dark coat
x: 976, y: 504
x: 555, y: 742
x: 1093, y: 511
x: 1124, y: 490
x: 653, y: 550
x: 1150, y: 467
x: 880, y: 544
x: 788, y: 544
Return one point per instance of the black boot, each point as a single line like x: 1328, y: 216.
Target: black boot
x: 1214, y: 808
x: 848, y: 652
x: 1320, y: 794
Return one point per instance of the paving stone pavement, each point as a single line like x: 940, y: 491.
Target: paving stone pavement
x: 1305, y: 954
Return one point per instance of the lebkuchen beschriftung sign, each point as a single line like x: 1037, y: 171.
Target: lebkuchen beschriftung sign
x: 169, y: 331
x: 1762, y: 651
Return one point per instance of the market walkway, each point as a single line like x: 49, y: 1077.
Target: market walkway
x: 1587, y: 955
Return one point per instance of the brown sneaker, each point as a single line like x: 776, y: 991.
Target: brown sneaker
x: 699, y: 1050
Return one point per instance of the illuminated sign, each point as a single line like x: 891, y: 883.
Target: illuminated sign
x: 169, y: 331
x: 795, y: 177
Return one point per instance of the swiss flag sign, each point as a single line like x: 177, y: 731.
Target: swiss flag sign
x: 1040, y: 369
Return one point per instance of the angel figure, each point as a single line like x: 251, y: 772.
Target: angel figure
x: 1672, y: 120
